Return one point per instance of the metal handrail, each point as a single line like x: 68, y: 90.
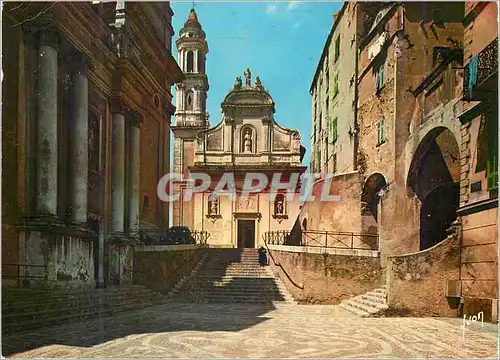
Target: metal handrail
x: 19, y: 276
x: 162, y: 237
x: 300, y: 286
x: 325, y: 239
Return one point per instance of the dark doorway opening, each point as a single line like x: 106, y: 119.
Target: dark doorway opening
x: 439, y: 210
x: 370, y: 200
x: 246, y: 233
x: 434, y: 178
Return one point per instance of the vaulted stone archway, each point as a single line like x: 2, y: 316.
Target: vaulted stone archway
x: 370, y: 201
x: 433, y: 178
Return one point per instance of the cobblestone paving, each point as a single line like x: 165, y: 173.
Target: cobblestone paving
x: 230, y: 331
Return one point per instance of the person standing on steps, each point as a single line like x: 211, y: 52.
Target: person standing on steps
x: 262, y: 256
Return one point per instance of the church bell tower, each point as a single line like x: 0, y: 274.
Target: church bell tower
x: 191, y: 115
x: 192, y: 92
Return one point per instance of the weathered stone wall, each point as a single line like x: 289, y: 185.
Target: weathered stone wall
x: 417, y: 282
x: 149, y: 173
x: 11, y: 140
x: 343, y: 215
x: 479, y: 263
x: 118, y: 264
x: 55, y: 260
x: 160, y: 267
x: 327, y: 279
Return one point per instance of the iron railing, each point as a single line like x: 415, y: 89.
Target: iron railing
x: 276, y: 263
x: 325, y: 239
x: 277, y: 237
x: 164, y: 237
x: 23, y: 275
x: 486, y: 66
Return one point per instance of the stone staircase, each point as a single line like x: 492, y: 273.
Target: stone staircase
x: 231, y: 276
x: 26, y: 309
x: 372, y: 303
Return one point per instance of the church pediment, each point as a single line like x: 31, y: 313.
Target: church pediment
x: 248, y: 134
x: 247, y: 97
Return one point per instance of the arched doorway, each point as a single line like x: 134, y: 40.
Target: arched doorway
x: 433, y: 178
x: 369, y: 208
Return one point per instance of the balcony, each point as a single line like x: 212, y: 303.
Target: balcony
x: 481, y: 74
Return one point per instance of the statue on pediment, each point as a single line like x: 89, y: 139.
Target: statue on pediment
x: 237, y: 83
x: 248, y: 77
x: 258, y: 84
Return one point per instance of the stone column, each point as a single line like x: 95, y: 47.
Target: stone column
x: 78, y: 144
x: 117, y: 166
x: 177, y: 96
x: 195, y: 62
x: 46, y: 164
x: 196, y: 95
x: 134, y: 174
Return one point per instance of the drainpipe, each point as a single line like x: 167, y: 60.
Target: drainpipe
x: 355, y: 103
x: 101, y: 231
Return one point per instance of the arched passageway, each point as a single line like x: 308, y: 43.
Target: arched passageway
x: 370, y: 200
x: 434, y: 179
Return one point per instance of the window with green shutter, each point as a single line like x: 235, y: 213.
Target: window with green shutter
x: 492, y: 164
x: 335, y: 85
x: 318, y: 162
x: 380, y: 132
x: 379, y: 76
x: 333, y: 131
x: 337, y: 48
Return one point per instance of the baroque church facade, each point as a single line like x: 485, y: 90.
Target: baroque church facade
x: 246, y: 140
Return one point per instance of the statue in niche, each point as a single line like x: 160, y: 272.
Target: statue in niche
x: 248, y: 141
x: 279, y: 206
x: 258, y: 84
x: 237, y: 83
x: 248, y: 77
x: 213, y: 206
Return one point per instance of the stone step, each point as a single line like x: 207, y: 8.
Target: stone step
x: 232, y: 289
x: 34, y: 307
x: 20, y: 294
x: 70, y: 297
x: 237, y: 285
x: 232, y: 285
x: 237, y: 298
x: 234, y: 266
x: 233, y: 300
x: 375, y: 299
x: 355, y: 311
x: 233, y: 278
x: 234, y: 293
x: 368, y: 308
x: 44, y: 312
x: 380, y: 291
x: 229, y: 267
x: 19, y: 326
x: 369, y: 303
x: 212, y: 277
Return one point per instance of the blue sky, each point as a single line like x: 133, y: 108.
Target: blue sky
x: 280, y: 42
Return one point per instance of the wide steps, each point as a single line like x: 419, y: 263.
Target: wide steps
x: 45, y: 308
x: 231, y: 275
x: 41, y: 311
x: 368, y: 304
x: 88, y: 313
x: 59, y: 299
